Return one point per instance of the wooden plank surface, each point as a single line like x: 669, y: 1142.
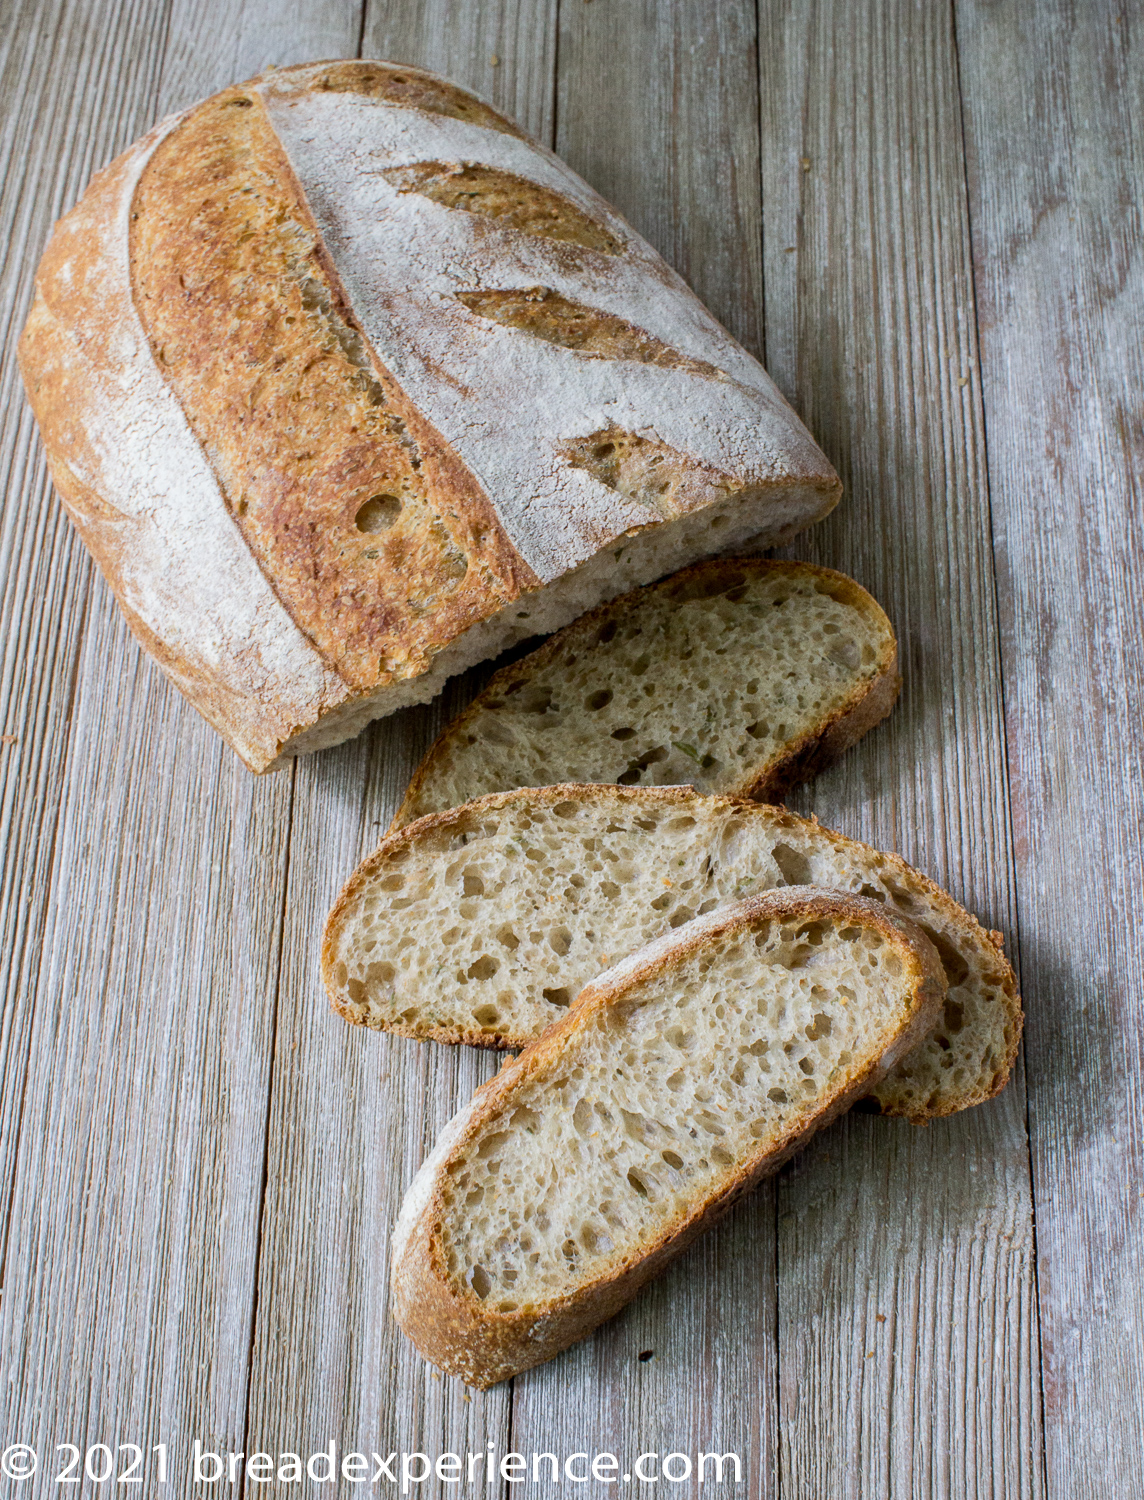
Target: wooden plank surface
x: 648, y: 97
x: 130, y: 1269
x: 907, y: 1323
x: 57, y: 69
x: 354, y: 1113
x: 200, y: 1165
x: 1053, y: 108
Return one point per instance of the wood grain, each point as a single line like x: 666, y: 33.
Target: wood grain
x: 130, y: 1271
x: 54, y: 66
x: 649, y: 95
x: 200, y: 1165
x: 1053, y: 110
x: 870, y: 332
x: 353, y: 1114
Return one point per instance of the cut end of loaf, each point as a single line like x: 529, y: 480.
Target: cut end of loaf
x: 738, y: 676
x: 760, y: 519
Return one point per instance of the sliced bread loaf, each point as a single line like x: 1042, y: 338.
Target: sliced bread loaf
x: 681, y: 1077
x: 481, y: 924
x: 739, y: 676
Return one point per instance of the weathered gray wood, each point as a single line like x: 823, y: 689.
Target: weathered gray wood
x: 353, y: 1114
x: 59, y: 65
x: 174, y: 1094
x: 650, y: 98
x: 130, y: 1268
x: 870, y: 332
x: 1054, y: 105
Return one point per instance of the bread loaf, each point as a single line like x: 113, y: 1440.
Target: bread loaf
x: 679, y: 1079
x: 347, y: 385
x: 481, y: 924
x: 736, y: 676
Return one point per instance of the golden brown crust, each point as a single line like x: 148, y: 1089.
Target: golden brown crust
x: 452, y: 1327
x: 867, y: 705
x: 258, y: 594
x: 509, y: 201
x: 404, y: 85
x: 378, y: 541
x: 83, y: 389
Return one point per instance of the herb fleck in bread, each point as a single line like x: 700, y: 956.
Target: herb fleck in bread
x: 481, y: 924
x: 738, y: 676
x: 681, y: 1077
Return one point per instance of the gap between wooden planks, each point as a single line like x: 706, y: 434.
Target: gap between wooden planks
x: 650, y: 69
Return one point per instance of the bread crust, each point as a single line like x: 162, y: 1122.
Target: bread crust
x: 456, y: 822
x: 283, y: 638
x: 868, y: 703
x: 450, y: 1325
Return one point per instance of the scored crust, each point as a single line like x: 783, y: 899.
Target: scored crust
x: 483, y: 1345
x: 870, y: 699
x: 299, y: 567
x: 378, y: 540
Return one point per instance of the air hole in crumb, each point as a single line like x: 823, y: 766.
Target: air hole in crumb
x: 480, y: 1281
x: 598, y: 700
x: 955, y: 966
x: 867, y: 1105
x: 562, y: 997
x: 794, y: 867
x: 484, y: 968
x: 378, y: 513
x: 637, y: 1182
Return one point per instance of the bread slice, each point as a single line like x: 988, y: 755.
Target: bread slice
x: 481, y: 924
x: 681, y: 1077
x: 737, y: 676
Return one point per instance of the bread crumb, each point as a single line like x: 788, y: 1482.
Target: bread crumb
x: 804, y: 163
x: 881, y: 1318
x: 8, y: 739
x: 494, y: 61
